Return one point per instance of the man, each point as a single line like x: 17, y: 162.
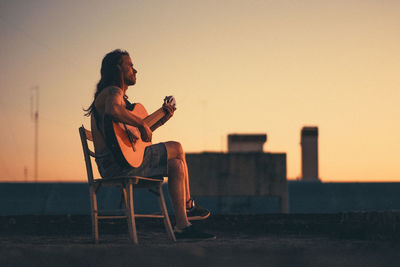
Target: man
x: 163, y: 159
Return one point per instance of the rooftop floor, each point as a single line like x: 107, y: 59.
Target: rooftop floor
x: 347, y: 239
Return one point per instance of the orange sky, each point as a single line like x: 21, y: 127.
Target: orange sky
x: 233, y: 66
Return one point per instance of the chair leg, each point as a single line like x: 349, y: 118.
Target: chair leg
x: 129, y: 208
x: 94, y: 213
x: 164, y: 212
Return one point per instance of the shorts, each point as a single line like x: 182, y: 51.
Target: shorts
x: 154, y: 164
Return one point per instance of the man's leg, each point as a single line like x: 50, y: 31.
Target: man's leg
x: 177, y: 182
x: 187, y: 188
x: 178, y: 186
x: 176, y: 156
x: 175, y: 150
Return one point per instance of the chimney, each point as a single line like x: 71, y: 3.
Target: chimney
x: 309, y: 154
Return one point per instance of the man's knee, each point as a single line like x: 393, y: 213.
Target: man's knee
x: 174, y: 150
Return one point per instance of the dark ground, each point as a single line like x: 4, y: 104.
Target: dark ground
x: 348, y: 239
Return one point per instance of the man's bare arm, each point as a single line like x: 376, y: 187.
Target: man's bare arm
x: 115, y: 107
x: 169, y: 112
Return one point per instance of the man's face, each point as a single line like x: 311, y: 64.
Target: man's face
x: 128, y: 71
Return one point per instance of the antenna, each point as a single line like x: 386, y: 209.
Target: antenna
x: 35, y: 118
x: 25, y: 173
x: 204, y: 109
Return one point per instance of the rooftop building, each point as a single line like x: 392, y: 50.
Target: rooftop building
x: 246, y: 142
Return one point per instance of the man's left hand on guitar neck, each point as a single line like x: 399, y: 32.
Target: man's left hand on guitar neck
x: 169, y: 112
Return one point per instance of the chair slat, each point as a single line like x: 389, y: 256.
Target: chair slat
x: 119, y: 178
x: 149, y: 216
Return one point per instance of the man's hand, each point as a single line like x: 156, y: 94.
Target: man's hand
x: 169, y: 112
x: 145, y: 133
x: 132, y: 136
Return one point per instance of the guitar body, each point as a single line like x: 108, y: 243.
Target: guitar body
x: 130, y: 154
x: 125, y: 141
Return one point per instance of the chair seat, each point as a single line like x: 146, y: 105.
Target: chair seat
x: 135, y: 180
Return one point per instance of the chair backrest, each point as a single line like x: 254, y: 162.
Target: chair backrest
x: 87, y: 153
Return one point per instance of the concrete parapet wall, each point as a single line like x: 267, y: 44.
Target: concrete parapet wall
x: 304, y: 197
x: 225, y: 175
x: 315, y: 197
x: 237, y: 174
x: 65, y: 198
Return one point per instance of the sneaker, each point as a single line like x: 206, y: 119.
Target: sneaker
x: 191, y: 232
x: 195, y: 212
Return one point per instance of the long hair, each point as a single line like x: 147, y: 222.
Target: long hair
x: 111, y: 74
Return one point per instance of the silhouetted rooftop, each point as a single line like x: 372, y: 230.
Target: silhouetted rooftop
x: 247, y: 137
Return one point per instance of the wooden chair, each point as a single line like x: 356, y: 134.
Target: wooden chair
x: 127, y: 184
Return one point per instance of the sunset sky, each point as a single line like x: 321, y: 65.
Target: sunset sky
x: 233, y: 66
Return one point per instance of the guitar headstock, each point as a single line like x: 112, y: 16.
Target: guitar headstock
x: 170, y: 101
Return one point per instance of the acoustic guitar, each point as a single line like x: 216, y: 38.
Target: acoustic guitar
x: 125, y: 140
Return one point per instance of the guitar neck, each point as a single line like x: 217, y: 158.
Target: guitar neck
x: 153, y: 118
